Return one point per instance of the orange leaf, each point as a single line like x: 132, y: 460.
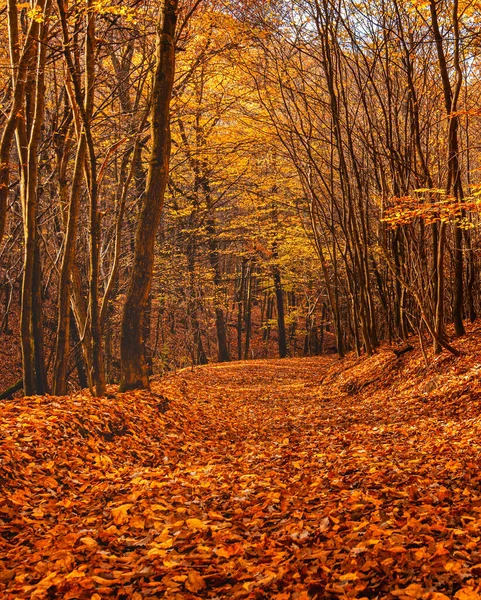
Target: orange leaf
x: 119, y: 514
x: 467, y: 593
x: 195, y: 582
x: 195, y: 524
x: 88, y: 541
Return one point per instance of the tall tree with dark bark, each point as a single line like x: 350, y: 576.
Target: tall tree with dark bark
x: 132, y: 346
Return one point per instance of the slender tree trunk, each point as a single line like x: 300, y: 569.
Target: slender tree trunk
x: 454, y: 185
x: 21, y: 63
x: 79, y: 107
x: 240, y: 305
x: 63, y: 323
x: 98, y: 364
x: 79, y: 360
x: 248, y: 312
x: 41, y: 381
x: 214, y: 259
x: 281, y: 324
x: 133, y: 364
x: 29, y: 330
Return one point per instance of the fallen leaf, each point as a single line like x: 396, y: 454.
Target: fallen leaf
x: 195, y: 582
x: 88, y: 541
x: 195, y: 524
x: 119, y: 514
x: 467, y: 593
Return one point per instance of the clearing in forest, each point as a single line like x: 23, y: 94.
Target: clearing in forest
x: 292, y: 479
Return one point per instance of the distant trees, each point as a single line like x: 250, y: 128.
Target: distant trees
x: 368, y: 101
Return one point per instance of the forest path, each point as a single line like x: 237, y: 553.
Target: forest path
x: 260, y: 479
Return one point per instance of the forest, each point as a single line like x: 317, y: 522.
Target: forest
x: 240, y: 278
x: 208, y: 181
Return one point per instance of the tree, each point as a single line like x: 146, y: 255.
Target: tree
x: 134, y: 367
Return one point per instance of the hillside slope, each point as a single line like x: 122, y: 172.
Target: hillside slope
x: 292, y: 479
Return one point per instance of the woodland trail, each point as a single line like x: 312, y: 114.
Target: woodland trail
x: 289, y: 479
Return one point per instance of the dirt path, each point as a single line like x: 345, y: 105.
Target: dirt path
x: 263, y: 479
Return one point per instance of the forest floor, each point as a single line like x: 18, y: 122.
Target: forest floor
x: 284, y: 479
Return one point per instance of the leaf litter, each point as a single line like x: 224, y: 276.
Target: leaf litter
x: 292, y: 479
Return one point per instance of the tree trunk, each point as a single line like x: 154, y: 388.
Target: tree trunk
x: 454, y: 185
x: 240, y: 303
x: 133, y: 364
x: 29, y: 329
x: 98, y: 365
x: 248, y: 312
x: 281, y: 324
x: 21, y: 62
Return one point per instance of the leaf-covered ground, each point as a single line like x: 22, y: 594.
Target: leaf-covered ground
x: 293, y: 479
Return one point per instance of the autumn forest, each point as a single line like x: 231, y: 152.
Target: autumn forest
x: 277, y: 179
x: 240, y: 258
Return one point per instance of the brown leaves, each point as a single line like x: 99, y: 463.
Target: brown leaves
x: 88, y: 541
x: 195, y: 583
x: 119, y: 514
x: 252, y: 485
x: 195, y: 524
